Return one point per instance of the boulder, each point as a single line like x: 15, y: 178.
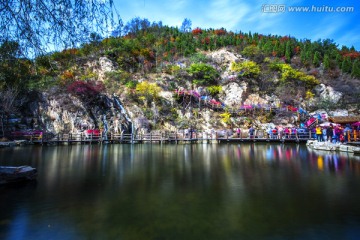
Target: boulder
x: 233, y: 93
x: 328, y: 93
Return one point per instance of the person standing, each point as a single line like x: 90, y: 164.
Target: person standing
x: 329, y: 133
x: 337, y: 134
x: 251, y: 132
x: 238, y: 132
x: 324, y: 136
x: 318, y: 132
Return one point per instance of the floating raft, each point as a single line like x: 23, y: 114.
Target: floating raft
x: 328, y: 146
x: 9, y: 174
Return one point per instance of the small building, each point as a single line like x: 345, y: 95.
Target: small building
x: 345, y: 119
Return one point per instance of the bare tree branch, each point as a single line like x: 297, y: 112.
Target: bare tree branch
x: 42, y: 25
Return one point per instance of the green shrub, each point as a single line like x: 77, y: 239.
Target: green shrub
x: 148, y: 91
x: 246, y: 69
x: 226, y: 117
x: 289, y: 74
x: 203, y: 74
x: 198, y: 58
x: 214, y: 90
x: 251, y: 51
x: 118, y: 76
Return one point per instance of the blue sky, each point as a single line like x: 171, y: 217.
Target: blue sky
x: 247, y: 15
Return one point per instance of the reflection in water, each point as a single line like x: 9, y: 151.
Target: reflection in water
x: 202, y: 191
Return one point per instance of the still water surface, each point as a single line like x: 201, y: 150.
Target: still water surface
x: 210, y: 191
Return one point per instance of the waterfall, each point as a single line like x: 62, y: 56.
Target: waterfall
x: 122, y: 109
x: 106, y: 127
x: 119, y: 106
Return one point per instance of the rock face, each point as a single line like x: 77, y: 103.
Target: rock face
x: 339, y: 113
x: 328, y: 93
x: 223, y: 57
x: 255, y: 99
x: 101, y: 67
x: 233, y: 93
x: 58, y: 112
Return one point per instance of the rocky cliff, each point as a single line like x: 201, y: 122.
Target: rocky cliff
x: 58, y: 111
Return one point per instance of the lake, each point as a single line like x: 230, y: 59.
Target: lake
x: 190, y: 191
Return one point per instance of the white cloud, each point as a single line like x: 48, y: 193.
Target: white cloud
x: 176, y: 5
x: 244, y: 15
x: 328, y: 27
x: 350, y: 39
x: 226, y: 13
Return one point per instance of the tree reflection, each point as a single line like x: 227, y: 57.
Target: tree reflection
x: 188, y: 191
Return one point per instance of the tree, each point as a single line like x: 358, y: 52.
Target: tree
x: 326, y: 62
x: 119, y: 29
x: 203, y: 74
x: 42, y: 25
x: 7, y: 105
x: 355, y: 72
x: 87, y: 91
x: 148, y: 91
x: 136, y: 25
x: 14, y: 71
x: 316, y: 59
x: 346, y: 65
x: 246, y: 69
x: 95, y: 38
x: 186, y: 25
x: 288, y: 52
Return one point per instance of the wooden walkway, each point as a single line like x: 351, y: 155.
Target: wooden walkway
x: 177, y: 138
x: 171, y: 137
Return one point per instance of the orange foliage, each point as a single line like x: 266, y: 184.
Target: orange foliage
x: 220, y: 32
x: 67, y: 75
x: 196, y: 31
x: 352, y: 55
x: 205, y: 40
x: 71, y: 51
x: 284, y: 39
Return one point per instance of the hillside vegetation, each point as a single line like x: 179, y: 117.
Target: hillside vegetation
x: 147, y: 65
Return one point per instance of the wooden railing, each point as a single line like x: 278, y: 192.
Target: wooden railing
x: 172, y: 137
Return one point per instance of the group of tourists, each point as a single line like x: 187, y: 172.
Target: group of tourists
x: 281, y: 132
x: 334, y: 133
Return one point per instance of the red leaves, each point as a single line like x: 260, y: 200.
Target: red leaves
x: 196, y: 31
x: 284, y: 39
x: 86, y: 88
x: 352, y: 55
x: 71, y: 51
x: 220, y: 32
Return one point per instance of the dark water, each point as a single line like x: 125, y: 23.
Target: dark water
x: 214, y: 191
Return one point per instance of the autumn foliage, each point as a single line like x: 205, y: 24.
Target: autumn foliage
x: 197, y: 31
x: 86, y: 89
x: 352, y: 55
x: 220, y: 32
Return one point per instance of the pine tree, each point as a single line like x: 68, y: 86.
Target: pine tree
x: 355, y: 72
x: 267, y: 48
x: 316, y: 59
x: 309, y: 56
x: 339, y: 60
x: 288, y: 52
x: 346, y: 65
x: 303, y: 54
x: 326, y: 62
